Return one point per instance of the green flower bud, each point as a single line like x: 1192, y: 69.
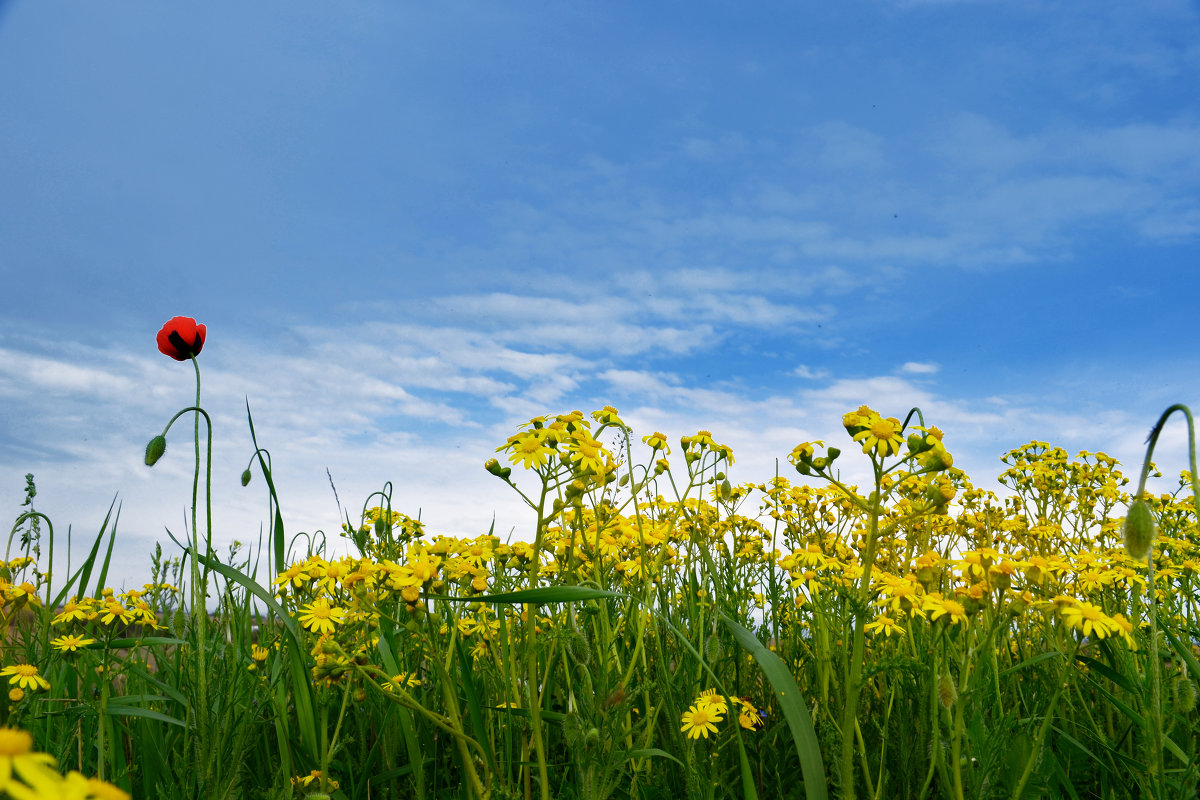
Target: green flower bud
x: 155, y: 450
x: 712, y: 649
x: 947, y: 693
x: 493, y: 466
x: 577, y: 648
x: 1185, y: 694
x: 246, y: 478
x: 1140, y: 530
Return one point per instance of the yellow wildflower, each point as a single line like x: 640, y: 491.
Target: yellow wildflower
x: 699, y: 720
x: 25, y: 676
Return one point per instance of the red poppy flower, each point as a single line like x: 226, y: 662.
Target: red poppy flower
x: 181, y: 338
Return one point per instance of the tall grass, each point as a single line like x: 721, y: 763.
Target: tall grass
x: 659, y: 632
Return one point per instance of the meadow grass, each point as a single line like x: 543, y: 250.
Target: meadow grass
x: 659, y: 632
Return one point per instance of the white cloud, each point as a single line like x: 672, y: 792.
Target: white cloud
x: 919, y: 368
x: 806, y: 372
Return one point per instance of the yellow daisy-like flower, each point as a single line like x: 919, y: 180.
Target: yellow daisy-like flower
x: 259, y: 653
x: 70, y: 613
x: 710, y: 698
x: 17, y: 759
x: 311, y: 778
x: 749, y: 717
x: 405, y: 680
x: 860, y: 418
x: 589, y: 454
x: 319, y: 617
x: 114, y: 611
x: 25, y: 676
x: 99, y: 790
x: 881, y: 435
x: 803, y: 453
x: 77, y: 786
x: 700, y: 720
x: 885, y: 625
x: 657, y: 441
x: 16, y: 695
x: 529, y: 448
x: 938, y: 607
x: 1085, y: 617
x: 71, y: 643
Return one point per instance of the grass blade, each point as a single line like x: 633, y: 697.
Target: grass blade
x: 794, y: 710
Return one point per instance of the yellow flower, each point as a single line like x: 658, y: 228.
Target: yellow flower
x: 589, y: 454
x: 699, y: 720
x: 35, y: 769
x: 311, y: 778
x: 25, y: 676
x: 319, y: 617
x: 113, y: 610
x: 99, y: 790
x: 882, y: 435
x: 938, y: 606
x: 71, y: 612
x: 71, y: 643
x: 885, y: 625
x: 259, y: 653
x: 749, y: 717
x: 405, y: 680
x: 657, y: 441
x: 529, y: 448
x: 1085, y: 617
x: 712, y: 700
x: 803, y: 453
x: 16, y: 695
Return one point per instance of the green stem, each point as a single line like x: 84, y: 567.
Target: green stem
x: 854, y: 678
x: 1156, y: 735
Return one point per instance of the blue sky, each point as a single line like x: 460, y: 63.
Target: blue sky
x: 410, y: 227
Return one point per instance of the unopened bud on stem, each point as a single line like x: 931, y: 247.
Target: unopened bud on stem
x: 155, y: 450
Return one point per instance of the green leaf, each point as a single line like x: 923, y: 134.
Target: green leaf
x: 1103, y: 669
x: 796, y: 713
x: 115, y: 710
x: 302, y: 691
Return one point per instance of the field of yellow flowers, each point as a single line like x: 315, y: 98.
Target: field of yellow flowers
x: 660, y: 632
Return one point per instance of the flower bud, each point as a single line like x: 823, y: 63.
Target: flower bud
x: 493, y: 466
x: 155, y: 450
x: 246, y: 478
x: 712, y: 649
x: 577, y: 648
x: 1185, y: 694
x: 1140, y: 529
x: 947, y: 693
